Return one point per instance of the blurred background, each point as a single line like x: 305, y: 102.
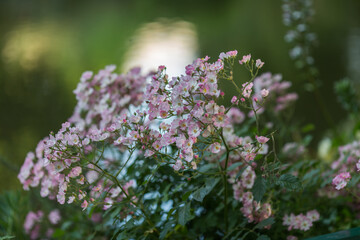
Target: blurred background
x: 45, y: 46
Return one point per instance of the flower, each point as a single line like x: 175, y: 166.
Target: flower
x: 245, y: 59
x: 215, y: 147
x: 341, y: 180
x: 54, y: 216
x: 264, y: 93
x: 262, y: 139
x: 259, y: 63
x: 84, y: 205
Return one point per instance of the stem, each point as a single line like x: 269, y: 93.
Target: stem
x: 127, y: 195
x: 117, y: 174
x: 225, y: 183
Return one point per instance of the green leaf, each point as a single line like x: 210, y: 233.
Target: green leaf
x: 240, y: 172
x: 307, y: 139
x: 266, y: 222
x: 307, y: 128
x: 263, y: 237
x: 235, y: 165
x: 6, y: 237
x: 167, y: 228
x: 186, y: 196
x: 184, y: 214
x: 58, y: 233
x: 289, y: 182
x: 259, y: 188
x: 207, y: 167
x: 205, y: 190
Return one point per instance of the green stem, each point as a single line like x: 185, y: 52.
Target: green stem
x: 147, y: 218
x: 225, y: 183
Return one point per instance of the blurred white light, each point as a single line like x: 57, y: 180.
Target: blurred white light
x: 169, y: 43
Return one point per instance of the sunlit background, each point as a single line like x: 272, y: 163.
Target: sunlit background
x: 45, y: 46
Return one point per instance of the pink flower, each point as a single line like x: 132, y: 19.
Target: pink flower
x: 247, y: 89
x: 54, y: 216
x: 215, y: 147
x: 262, y: 139
x: 259, y: 63
x: 264, y: 93
x: 245, y: 59
x: 84, y: 205
x: 234, y: 100
x: 59, y: 166
x: 76, y: 171
x: 341, y: 180
x: 358, y: 165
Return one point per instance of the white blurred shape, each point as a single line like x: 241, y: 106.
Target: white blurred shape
x: 169, y: 43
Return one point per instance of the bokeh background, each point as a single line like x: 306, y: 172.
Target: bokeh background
x: 46, y: 45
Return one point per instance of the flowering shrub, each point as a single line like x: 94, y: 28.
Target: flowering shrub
x: 149, y: 156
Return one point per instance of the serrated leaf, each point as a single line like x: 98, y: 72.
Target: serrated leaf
x: 259, y: 188
x: 264, y: 223
x: 205, y: 190
x: 184, y: 214
x: 263, y: 237
x: 289, y: 182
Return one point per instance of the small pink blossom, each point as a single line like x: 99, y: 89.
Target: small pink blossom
x: 76, y: 171
x: 259, y: 63
x: 341, y: 180
x: 262, y: 139
x: 54, y: 216
x: 264, y: 93
x: 234, y: 100
x: 215, y: 147
x: 84, y: 205
x: 245, y: 59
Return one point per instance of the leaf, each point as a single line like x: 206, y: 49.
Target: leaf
x: 6, y: 237
x: 289, y: 182
x: 58, y: 233
x: 266, y: 222
x: 167, y: 228
x: 207, y: 167
x: 186, y: 196
x: 184, y: 214
x: 259, y: 188
x: 263, y: 237
x: 205, y: 190
x: 311, y: 174
x: 235, y: 165
x: 240, y: 172
x: 307, y: 128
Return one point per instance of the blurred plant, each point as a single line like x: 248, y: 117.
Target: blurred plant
x: 297, y: 15
x: 347, y: 95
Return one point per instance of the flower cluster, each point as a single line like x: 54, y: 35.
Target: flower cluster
x: 174, y: 121
x: 347, y: 163
x: 34, y: 221
x: 301, y: 221
x: 104, y: 96
x: 274, y: 89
